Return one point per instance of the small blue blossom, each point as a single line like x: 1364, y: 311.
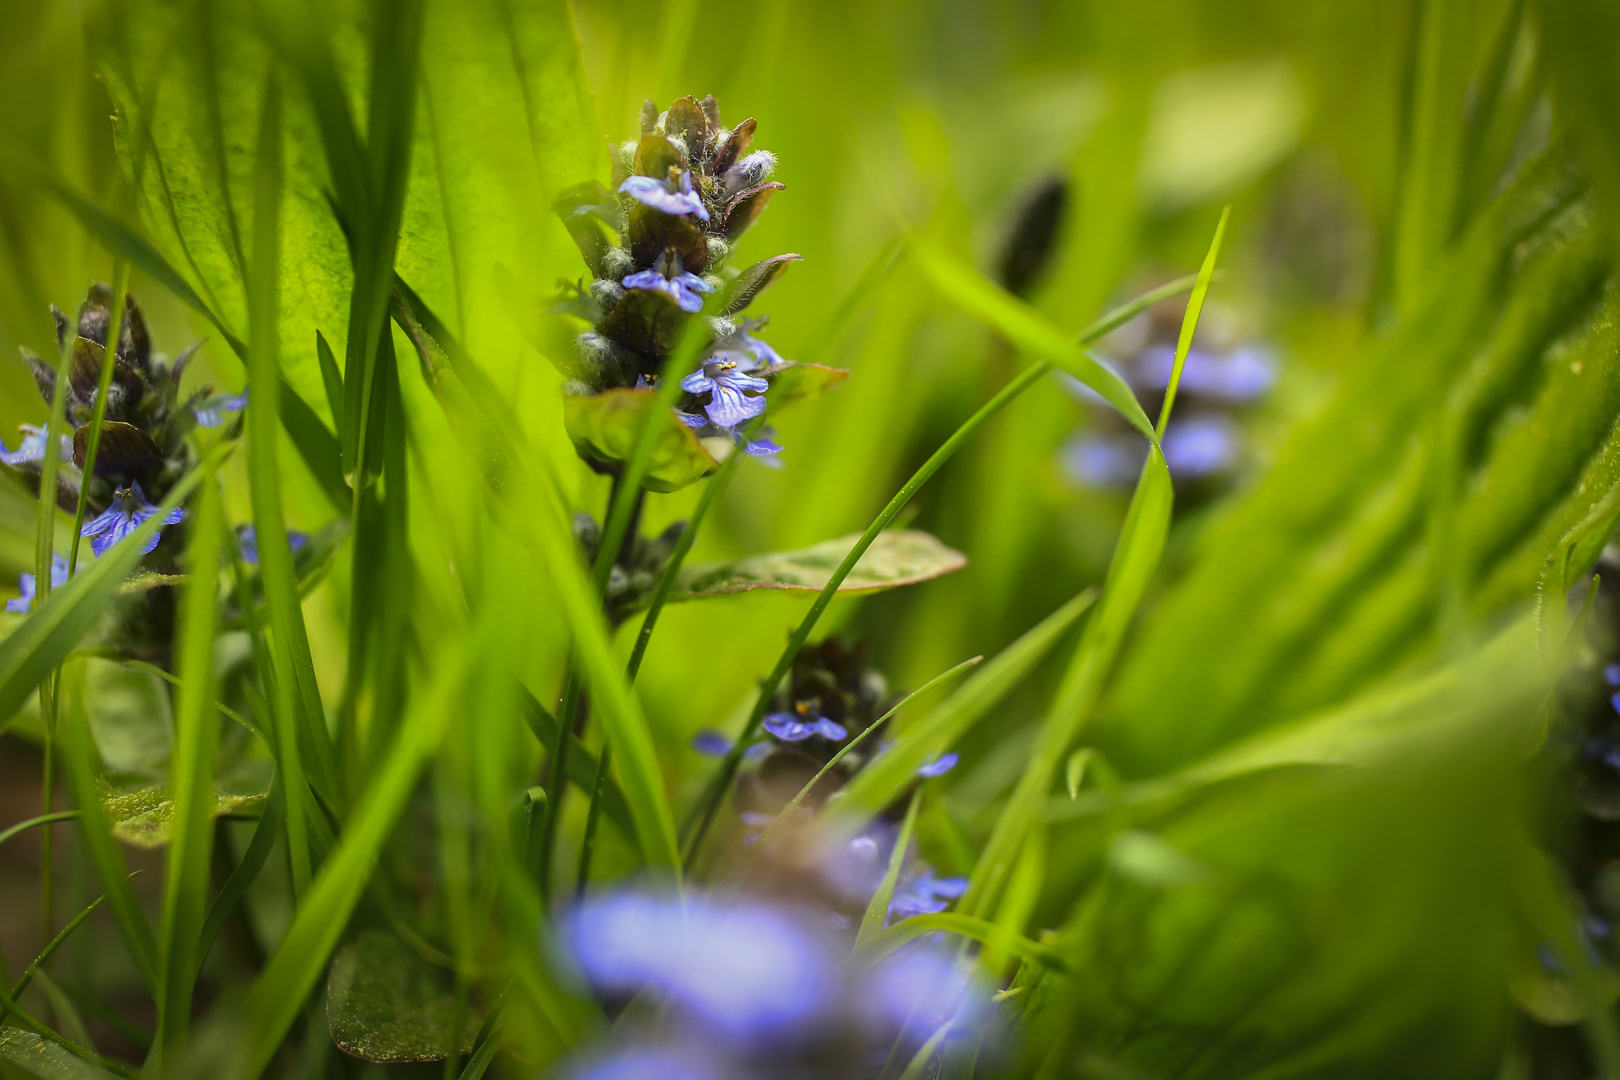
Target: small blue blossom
x: 247, y: 541
x: 797, y: 726
x: 683, y: 288
x: 925, y: 895
x: 763, y: 353
x: 921, y: 988
x: 28, y: 585
x: 940, y: 765
x: 643, y: 1063
x: 124, y: 516
x: 210, y: 411
x: 711, y: 742
x: 1239, y: 376
x: 32, y: 448
x: 748, y: 972
x: 1611, y: 674
x: 673, y: 196
x: 726, y: 379
x: 1197, y: 446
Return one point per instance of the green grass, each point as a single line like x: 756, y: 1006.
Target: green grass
x: 1264, y: 776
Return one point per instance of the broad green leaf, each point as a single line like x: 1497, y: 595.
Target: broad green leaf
x: 45, y: 1059
x: 385, y: 1004
x: 897, y: 557
x: 796, y: 381
x: 604, y: 426
x: 1026, y: 328
x: 141, y: 814
x: 747, y: 286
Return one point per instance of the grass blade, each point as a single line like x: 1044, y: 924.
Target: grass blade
x: 887, y: 941
x: 253, y: 860
x: 36, y: 822
x: 196, y: 749
x: 1027, y: 329
x: 877, y: 908
x: 886, y: 776
x: 55, y: 943
x: 1136, y: 558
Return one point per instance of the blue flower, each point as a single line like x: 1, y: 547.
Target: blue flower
x: 797, y: 725
x: 210, y: 411
x: 920, y: 988
x: 745, y: 971
x: 711, y: 742
x: 725, y: 378
x: 32, y: 447
x: 124, y: 516
x: 925, y: 895
x: 643, y: 1063
x: 28, y: 585
x: 763, y: 353
x: 674, y: 196
x: 940, y: 765
x: 683, y: 288
x: 1196, y: 446
x: 1611, y: 674
x: 247, y: 541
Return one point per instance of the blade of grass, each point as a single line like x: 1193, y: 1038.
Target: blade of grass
x: 13, y: 1048
x: 703, y: 811
x: 887, y: 941
x: 300, y: 721
x: 277, y: 996
x: 877, y: 908
x: 36, y: 822
x: 83, y: 762
x: 242, y: 878
x: 793, y: 804
x: 196, y: 749
x: 1136, y: 558
x: 1026, y: 328
x: 109, y: 357
x: 882, y: 779
x: 55, y: 943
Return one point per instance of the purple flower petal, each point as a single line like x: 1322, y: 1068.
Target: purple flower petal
x: 711, y: 742
x: 940, y: 765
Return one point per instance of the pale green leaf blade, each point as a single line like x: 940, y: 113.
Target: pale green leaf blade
x: 897, y: 557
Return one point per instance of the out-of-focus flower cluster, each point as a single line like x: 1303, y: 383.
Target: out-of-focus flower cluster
x: 1203, y: 445
x: 714, y: 985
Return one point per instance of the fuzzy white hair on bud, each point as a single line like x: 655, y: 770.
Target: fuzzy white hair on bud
x: 616, y: 262
x: 749, y: 170
x: 718, y: 250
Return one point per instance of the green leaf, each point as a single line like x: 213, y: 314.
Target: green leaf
x: 45, y: 1059
x: 386, y: 1005
x: 897, y: 557
x: 747, y: 286
x: 877, y: 908
x: 795, y: 381
x: 142, y: 814
x: 907, y: 930
x: 604, y: 427
x: 1029, y: 330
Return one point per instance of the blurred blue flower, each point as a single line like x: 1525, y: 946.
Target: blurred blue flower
x: 247, y: 541
x: 920, y: 988
x: 32, y: 448
x: 940, y: 765
x: 1611, y: 674
x: 210, y: 411
x: 1200, y: 445
x: 746, y: 971
x: 1103, y: 462
x: 798, y: 725
x: 128, y: 510
x: 762, y: 351
x: 925, y: 895
x: 644, y: 1063
x: 711, y: 742
x: 28, y: 585
x: 674, y: 196
x: 1241, y: 375
x: 726, y: 379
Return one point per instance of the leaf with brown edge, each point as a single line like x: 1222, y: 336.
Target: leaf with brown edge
x: 751, y: 282
x: 687, y: 122
x: 605, y: 426
x: 746, y: 206
x: 85, y: 376
x: 656, y: 155
x: 897, y: 557
x: 140, y: 812
x: 735, y: 144
x: 124, y: 448
x: 792, y: 381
